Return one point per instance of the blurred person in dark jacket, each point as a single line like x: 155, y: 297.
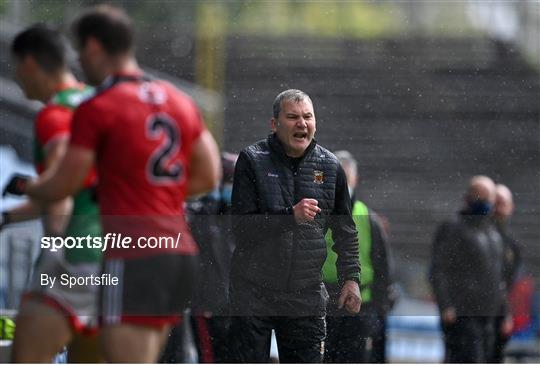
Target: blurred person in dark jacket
x: 210, y: 225
x: 209, y: 221
x: 287, y: 192
x: 504, y: 209
x: 360, y: 338
x: 466, y: 276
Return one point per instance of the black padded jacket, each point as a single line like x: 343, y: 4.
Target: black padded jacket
x: 272, y: 250
x: 467, y: 266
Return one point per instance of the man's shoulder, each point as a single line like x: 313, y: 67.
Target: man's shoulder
x: 450, y: 222
x: 52, y: 117
x: 177, y: 94
x: 72, y: 97
x: 322, y: 153
x: 53, y: 111
x: 111, y: 94
x: 259, y: 148
x: 450, y: 226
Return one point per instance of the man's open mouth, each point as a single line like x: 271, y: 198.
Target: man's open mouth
x: 300, y: 136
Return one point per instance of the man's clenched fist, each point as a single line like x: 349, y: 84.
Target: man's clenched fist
x: 17, y: 185
x: 350, y: 297
x: 305, y: 210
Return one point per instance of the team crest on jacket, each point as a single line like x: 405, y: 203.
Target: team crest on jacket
x: 318, y: 177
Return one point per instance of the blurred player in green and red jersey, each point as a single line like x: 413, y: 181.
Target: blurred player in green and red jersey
x: 50, y: 318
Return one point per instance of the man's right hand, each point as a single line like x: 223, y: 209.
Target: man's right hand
x: 449, y: 315
x: 305, y: 210
x: 17, y: 185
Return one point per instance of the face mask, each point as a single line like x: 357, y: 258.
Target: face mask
x: 480, y: 207
x: 226, y: 194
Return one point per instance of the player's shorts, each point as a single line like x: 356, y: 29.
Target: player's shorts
x: 79, y: 302
x: 151, y: 291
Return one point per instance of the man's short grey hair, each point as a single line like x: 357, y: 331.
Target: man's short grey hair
x: 289, y: 95
x: 347, y: 161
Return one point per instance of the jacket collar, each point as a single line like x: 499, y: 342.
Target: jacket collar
x: 474, y: 220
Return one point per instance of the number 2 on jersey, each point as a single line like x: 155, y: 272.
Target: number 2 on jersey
x: 159, y: 168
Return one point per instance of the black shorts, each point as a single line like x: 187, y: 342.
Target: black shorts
x: 150, y: 291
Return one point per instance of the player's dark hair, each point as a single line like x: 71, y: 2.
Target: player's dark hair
x: 45, y: 44
x: 109, y: 25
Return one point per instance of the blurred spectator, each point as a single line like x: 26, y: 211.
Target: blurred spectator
x: 466, y: 273
x: 348, y: 336
x: 210, y: 225
x: 211, y: 228
x: 504, y: 208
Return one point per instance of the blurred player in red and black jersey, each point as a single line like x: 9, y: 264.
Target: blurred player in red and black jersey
x: 53, y: 317
x: 151, y: 150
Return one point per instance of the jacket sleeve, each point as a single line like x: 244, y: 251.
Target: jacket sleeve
x: 248, y: 222
x: 344, y: 233
x: 440, y: 273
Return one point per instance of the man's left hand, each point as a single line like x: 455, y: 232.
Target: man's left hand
x: 17, y: 185
x: 350, y: 297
